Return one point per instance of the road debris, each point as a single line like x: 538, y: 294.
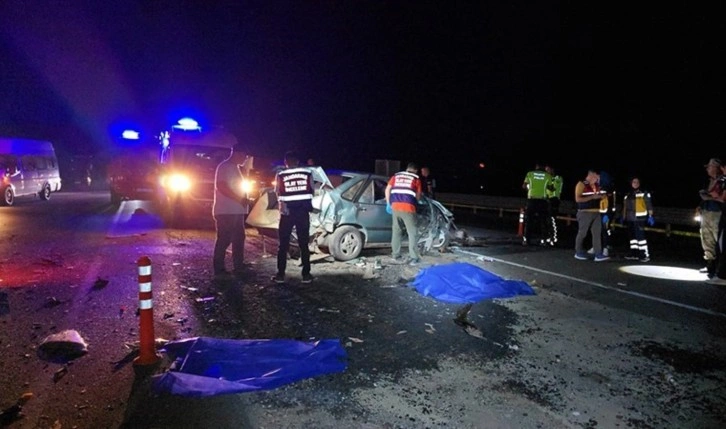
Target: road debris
x: 369, y: 274
x: 14, y: 412
x: 52, y: 302
x: 100, y: 283
x: 60, y: 373
x: 431, y: 329
x: 63, y: 346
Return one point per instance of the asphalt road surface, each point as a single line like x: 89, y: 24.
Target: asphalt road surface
x: 609, y: 344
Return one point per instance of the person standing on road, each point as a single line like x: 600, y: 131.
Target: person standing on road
x: 553, y: 193
x: 294, y: 189
x: 536, y: 214
x: 229, y: 209
x: 428, y: 183
x: 709, y: 211
x: 587, y: 198
x: 607, y: 212
x: 402, y: 194
x: 718, y: 192
x: 637, y: 211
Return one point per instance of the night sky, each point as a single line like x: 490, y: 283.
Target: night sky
x: 630, y: 89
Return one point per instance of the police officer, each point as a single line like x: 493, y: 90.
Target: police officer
x: 537, y: 212
x: 294, y: 189
x: 553, y: 193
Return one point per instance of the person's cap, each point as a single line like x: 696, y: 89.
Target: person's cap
x: 714, y: 161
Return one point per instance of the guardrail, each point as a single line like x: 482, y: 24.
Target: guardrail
x: 674, y: 221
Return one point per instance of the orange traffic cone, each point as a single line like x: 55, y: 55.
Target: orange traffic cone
x: 147, y: 348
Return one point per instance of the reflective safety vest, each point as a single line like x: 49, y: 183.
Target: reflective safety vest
x: 590, y: 189
x: 607, y: 204
x: 537, y: 183
x: 637, y: 202
x: 403, y: 188
x: 554, y: 190
x: 294, y: 187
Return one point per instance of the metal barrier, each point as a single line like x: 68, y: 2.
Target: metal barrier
x: 675, y: 221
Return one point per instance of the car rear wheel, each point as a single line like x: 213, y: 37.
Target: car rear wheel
x: 8, y: 196
x: 45, y: 192
x: 346, y: 243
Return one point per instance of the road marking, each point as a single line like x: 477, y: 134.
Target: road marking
x: 599, y: 285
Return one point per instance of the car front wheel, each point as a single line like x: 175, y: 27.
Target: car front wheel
x: 346, y: 243
x: 8, y: 197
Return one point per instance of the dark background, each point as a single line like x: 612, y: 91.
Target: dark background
x: 477, y: 90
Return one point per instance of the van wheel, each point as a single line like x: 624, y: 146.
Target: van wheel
x: 8, y: 197
x: 346, y: 243
x: 45, y: 193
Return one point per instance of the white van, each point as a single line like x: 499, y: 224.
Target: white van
x: 27, y: 167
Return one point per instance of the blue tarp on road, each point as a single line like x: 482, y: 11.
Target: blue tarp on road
x: 463, y: 283
x: 208, y: 366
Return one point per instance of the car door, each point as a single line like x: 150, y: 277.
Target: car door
x: 372, y: 215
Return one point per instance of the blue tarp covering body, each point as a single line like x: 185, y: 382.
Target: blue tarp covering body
x: 464, y: 283
x: 209, y: 366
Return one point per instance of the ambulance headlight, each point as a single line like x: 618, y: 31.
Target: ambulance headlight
x: 178, y: 183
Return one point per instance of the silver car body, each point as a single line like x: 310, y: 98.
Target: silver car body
x: 350, y: 215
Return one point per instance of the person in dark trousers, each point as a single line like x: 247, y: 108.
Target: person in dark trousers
x: 428, y: 183
x: 718, y: 193
x: 553, y: 192
x: 607, y: 213
x: 709, y: 211
x: 294, y: 189
x: 637, y: 212
x: 537, y: 212
x: 229, y: 209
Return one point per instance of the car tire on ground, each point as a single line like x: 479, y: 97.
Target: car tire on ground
x: 8, y: 197
x: 346, y: 243
x: 44, y: 194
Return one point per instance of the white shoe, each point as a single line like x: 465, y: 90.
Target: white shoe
x: 703, y: 270
x: 716, y: 281
x: 606, y: 252
x: 591, y: 251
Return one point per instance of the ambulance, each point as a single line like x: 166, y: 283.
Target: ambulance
x: 187, y: 164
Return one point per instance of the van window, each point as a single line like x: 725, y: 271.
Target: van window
x: 41, y: 162
x: 29, y: 163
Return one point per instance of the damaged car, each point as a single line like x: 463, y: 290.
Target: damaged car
x: 349, y: 215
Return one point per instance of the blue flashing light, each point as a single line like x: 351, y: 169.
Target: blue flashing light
x: 164, y: 139
x: 130, y: 135
x: 187, y: 124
